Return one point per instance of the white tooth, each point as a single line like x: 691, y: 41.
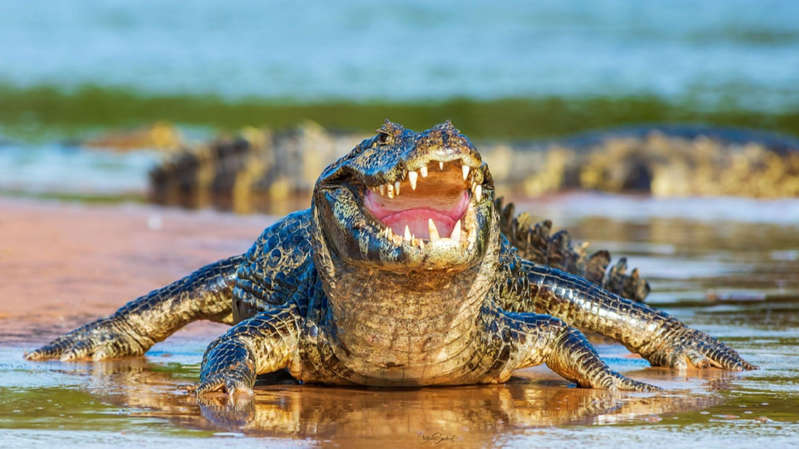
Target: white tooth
x: 382, y: 190
x: 465, y: 169
x: 407, y: 235
x: 396, y: 187
x: 441, y: 165
x: 390, y: 189
x: 423, y: 171
x: 412, y: 177
x: 478, y: 192
x: 431, y: 227
x: 456, y: 232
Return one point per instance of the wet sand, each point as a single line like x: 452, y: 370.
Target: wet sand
x: 64, y: 264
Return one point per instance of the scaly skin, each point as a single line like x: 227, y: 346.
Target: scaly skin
x: 332, y: 295
x: 143, y: 322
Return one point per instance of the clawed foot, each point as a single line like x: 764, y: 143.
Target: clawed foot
x: 227, y: 368
x: 227, y: 383
x: 693, y: 348
x: 101, y: 339
x: 616, y: 381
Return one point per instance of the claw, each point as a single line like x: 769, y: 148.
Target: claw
x: 235, y: 391
x: 623, y: 383
x: 33, y: 355
x: 203, y: 388
x: 698, y: 360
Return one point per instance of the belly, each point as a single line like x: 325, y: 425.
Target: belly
x: 460, y: 362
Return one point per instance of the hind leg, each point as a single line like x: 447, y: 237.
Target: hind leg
x: 565, y: 350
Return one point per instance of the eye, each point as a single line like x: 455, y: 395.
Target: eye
x: 384, y: 138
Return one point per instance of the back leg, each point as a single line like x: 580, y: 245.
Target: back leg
x: 537, y: 339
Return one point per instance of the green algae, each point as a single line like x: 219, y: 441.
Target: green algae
x: 44, y: 111
x: 86, y: 198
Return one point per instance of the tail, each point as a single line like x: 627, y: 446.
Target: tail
x: 535, y: 244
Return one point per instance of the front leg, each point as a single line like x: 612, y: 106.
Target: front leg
x: 139, y: 324
x: 540, y: 339
x: 262, y: 344
x: 656, y: 336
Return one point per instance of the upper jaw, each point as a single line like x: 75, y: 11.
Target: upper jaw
x: 473, y: 178
x: 388, y: 182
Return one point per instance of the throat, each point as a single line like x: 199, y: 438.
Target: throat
x: 408, y: 319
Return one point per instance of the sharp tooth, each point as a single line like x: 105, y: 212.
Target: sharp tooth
x: 407, y: 235
x: 390, y: 189
x: 412, y: 177
x: 441, y: 165
x: 465, y: 169
x: 432, y: 229
x: 382, y: 190
x: 396, y: 187
x: 423, y: 171
x: 456, y: 232
x: 478, y: 192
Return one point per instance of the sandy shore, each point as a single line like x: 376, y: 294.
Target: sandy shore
x: 63, y: 264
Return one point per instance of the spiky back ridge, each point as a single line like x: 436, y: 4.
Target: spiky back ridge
x: 536, y: 243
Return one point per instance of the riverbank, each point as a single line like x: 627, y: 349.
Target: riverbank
x: 64, y: 264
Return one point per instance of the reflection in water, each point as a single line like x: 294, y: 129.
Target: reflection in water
x: 468, y: 416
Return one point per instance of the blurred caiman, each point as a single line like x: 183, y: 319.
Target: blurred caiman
x: 260, y: 169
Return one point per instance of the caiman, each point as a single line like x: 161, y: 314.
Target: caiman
x: 266, y: 171
x: 403, y: 272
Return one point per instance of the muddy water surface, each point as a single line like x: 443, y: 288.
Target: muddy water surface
x: 726, y: 267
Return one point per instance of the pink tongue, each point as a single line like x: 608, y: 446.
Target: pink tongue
x: 417, y: 222
x: 416, y: 218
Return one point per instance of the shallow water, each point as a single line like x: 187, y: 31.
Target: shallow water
x: 737, y: 279
x: 719, y: 52
x: 51, y: 168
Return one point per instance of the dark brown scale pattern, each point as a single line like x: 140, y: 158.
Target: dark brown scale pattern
x: 329, y: 308
x: 271, y: 269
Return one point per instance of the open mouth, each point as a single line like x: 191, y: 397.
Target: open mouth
x: 430, y: 203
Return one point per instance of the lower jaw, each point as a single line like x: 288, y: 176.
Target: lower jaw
x: 419, y: 225
x: 420, y: 220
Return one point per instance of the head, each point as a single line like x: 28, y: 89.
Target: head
x: 405, y: 201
